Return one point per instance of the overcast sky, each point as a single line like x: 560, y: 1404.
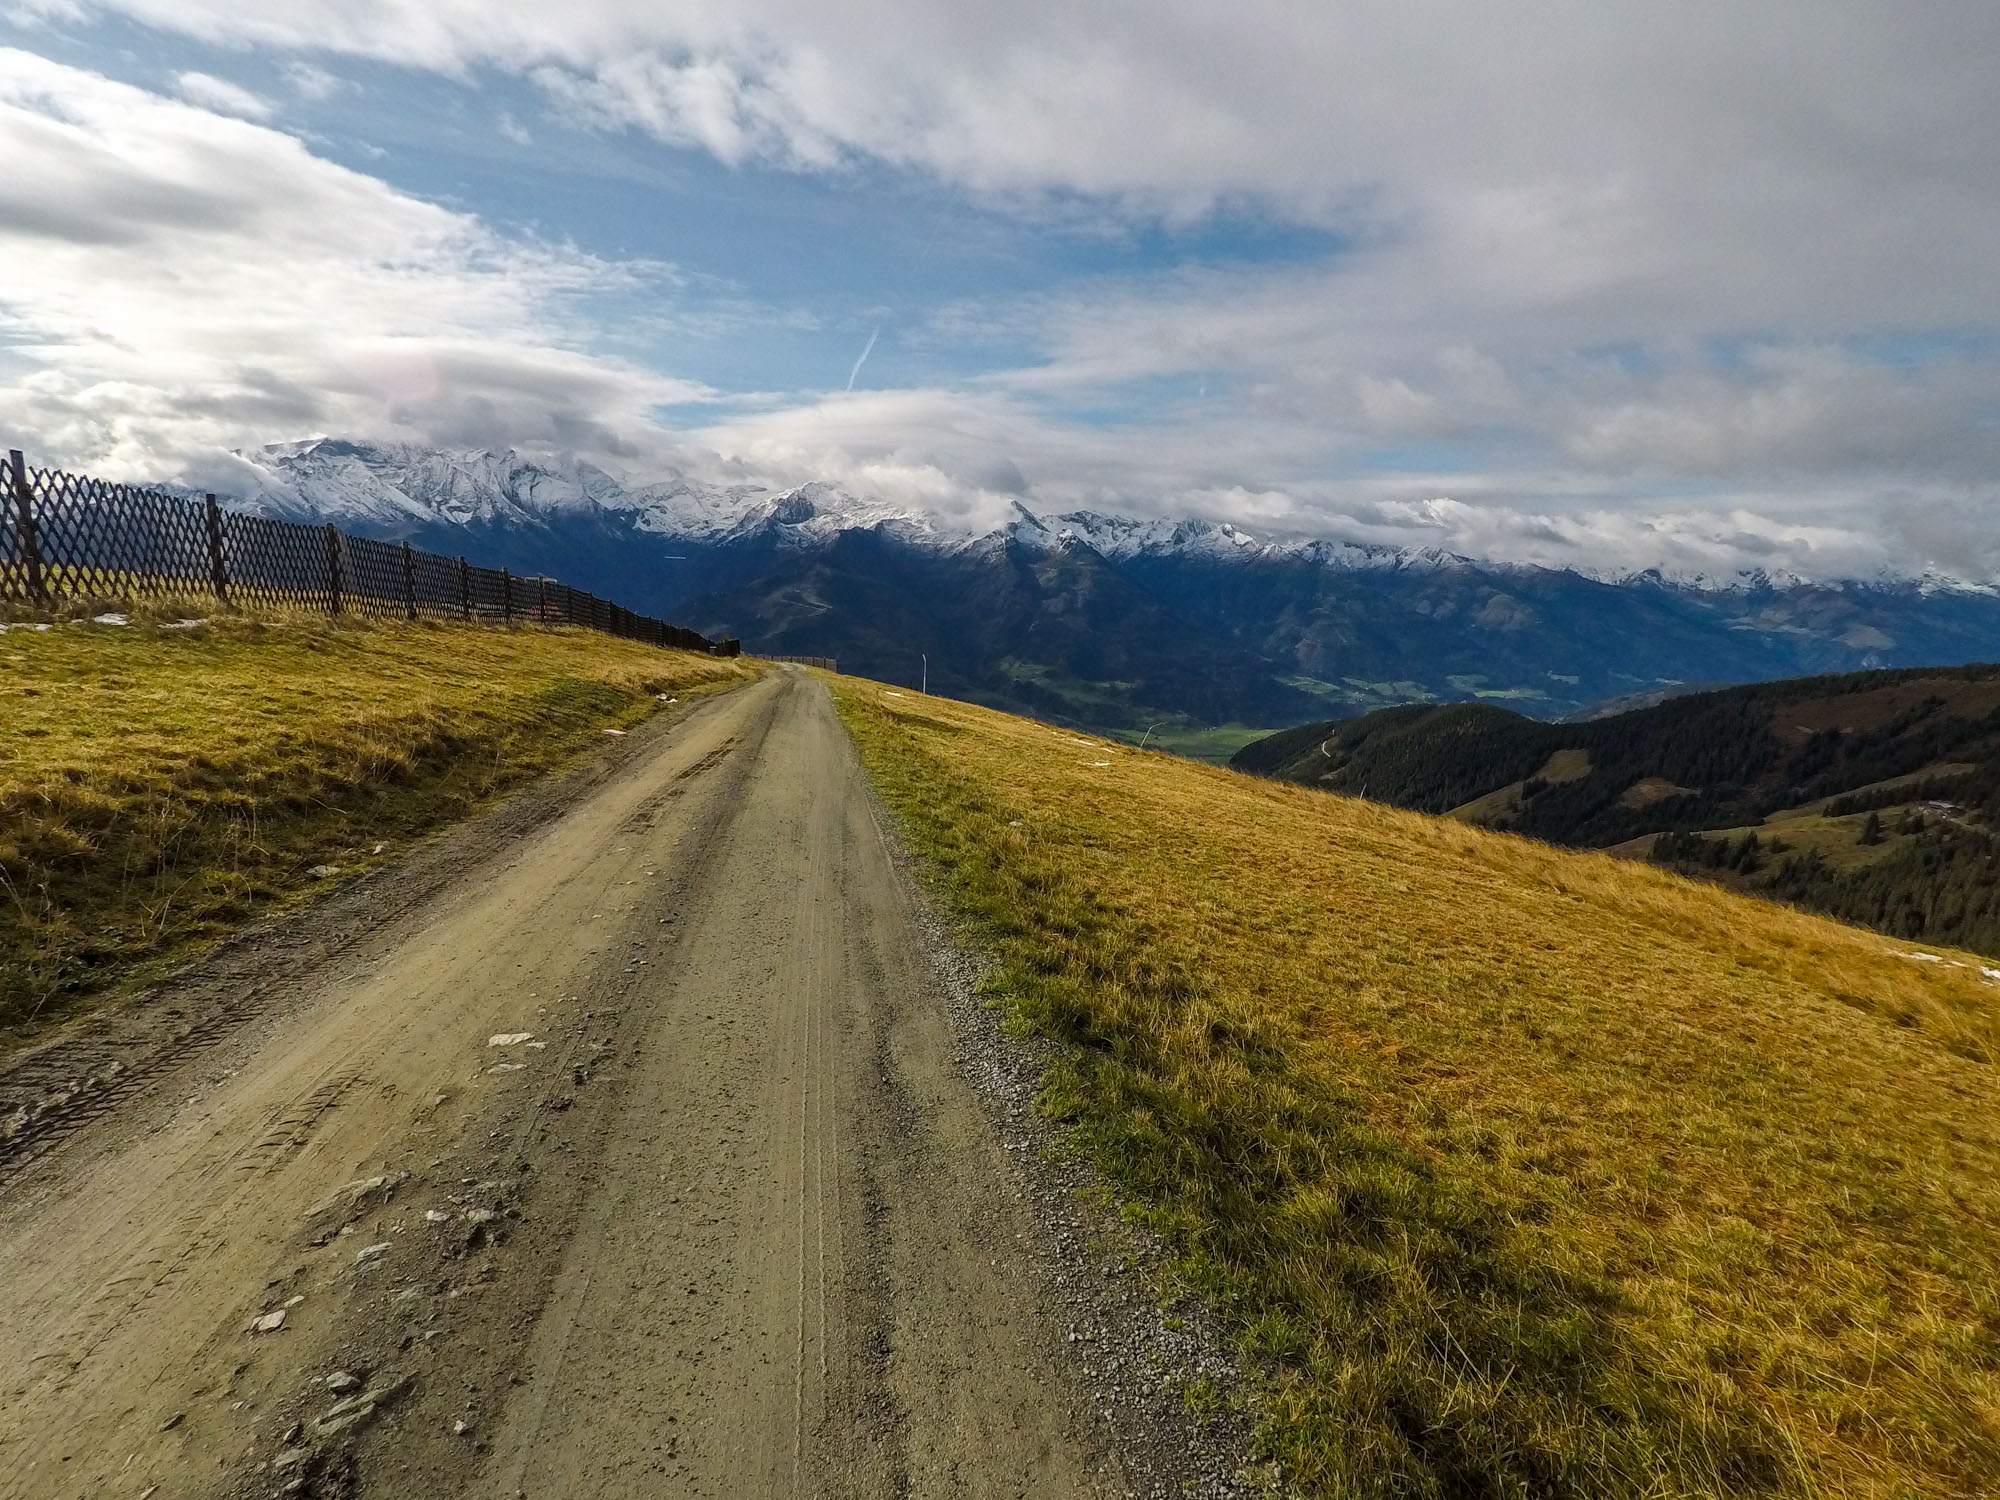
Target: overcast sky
x: 1703, y: 286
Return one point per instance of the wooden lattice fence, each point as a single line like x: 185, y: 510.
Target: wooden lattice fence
x: 69, y: 537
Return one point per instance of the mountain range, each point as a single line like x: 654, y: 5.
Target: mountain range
x: 1114, y: 622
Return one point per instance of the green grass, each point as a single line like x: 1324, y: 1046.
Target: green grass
x: 1835, y: 840
x: 1211, y: 743
x: 160, y: 787
x: 1358, y: 694
x: 1475, y: 686
x: 1515, y: 1171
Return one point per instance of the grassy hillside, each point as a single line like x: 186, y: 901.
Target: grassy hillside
x: 1518, y: 1170
x: 1779, y: 779
x: 160, y: 786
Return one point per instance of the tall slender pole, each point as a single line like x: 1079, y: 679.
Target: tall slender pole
x: 218, y: 571
x: 506, y: 597
x: 332, y: 569
x: 464, y: 588
x: 28, y: 544
x: 409, y: 583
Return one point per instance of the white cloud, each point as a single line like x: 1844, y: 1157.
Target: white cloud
x: 1679, y: 283
x: 1780, y: 501
x: 311, y: 82
x: 181, y: 282
x: 222, y: 96
x: 1823, y: 161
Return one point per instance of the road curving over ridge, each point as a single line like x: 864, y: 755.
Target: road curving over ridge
x: 626, y: 1158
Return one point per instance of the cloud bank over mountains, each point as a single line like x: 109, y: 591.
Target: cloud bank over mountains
x: 1601, y: 286
x: 180, y: 281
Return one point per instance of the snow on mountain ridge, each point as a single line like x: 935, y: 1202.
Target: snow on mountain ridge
x: 396, y: 488
x: 400, y: 485
x: 327, y: 479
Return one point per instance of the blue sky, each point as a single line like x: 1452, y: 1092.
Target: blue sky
x: 784, y: 274
x: 1598, y: 286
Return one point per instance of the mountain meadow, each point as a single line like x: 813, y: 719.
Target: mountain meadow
x: 1872, y: 796
x: 1514, y: 1170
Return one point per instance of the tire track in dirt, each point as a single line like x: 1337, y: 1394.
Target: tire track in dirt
x: 132, y: 1277
x: 91, y: 1068
x: 627, y: 1160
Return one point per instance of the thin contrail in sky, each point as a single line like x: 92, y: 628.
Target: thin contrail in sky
x: 866, y: 350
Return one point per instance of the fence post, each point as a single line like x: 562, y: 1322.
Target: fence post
x: 506, y: 597
x: 409, y: 583
x: 218, y: 571
x: 332, y: 569
x: 29, y: 545
x: 464, y: 589
x: 541, y: 600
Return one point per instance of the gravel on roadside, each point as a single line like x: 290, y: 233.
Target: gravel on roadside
x: 1161, y: 1376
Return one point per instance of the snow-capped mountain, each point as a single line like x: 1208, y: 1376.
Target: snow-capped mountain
x: 387, y: 486
x: 390, y: 486
x: 393, y: 488
x: 1119, y: 538
x: 1106, y: 619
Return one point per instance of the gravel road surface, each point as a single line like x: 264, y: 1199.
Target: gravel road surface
x: 613, y: 1147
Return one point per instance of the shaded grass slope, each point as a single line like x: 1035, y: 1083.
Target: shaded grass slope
x: 160, y: 786
x: 1517, y: 1171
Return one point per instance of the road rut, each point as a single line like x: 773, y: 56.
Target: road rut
x: 631, y: 1162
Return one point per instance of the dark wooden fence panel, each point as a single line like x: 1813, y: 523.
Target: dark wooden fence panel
x: 69, y: 537
x: 82, y: 537
x: 436, y: 586
x: 374, y: 577
x: 276, y: 563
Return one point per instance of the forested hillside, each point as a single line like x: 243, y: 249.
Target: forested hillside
x: 1873, y: 796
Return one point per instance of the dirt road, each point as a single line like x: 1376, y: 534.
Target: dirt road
x: 628, y: 1160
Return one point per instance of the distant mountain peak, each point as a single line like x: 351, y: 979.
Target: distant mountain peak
x: 1120, y: 619
x: 397, y: 488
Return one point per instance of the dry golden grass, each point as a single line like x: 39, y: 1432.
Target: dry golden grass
x: 1520, y: 1171
x: 160, y: 786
